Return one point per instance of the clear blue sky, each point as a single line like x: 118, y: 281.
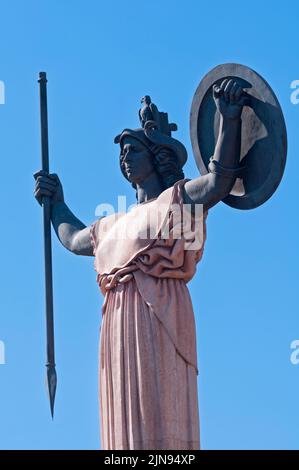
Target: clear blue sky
x: 101, y: 58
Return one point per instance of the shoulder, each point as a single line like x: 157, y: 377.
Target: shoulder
x: 174, y: 194
x: 102, y: 226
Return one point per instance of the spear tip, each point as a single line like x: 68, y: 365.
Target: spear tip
x: 51, y: 386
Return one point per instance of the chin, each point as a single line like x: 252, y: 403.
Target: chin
x: 134, y: 178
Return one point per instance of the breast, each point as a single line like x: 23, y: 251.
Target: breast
x: 122, y: 237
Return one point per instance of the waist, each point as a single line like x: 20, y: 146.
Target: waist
x: 121, y: 276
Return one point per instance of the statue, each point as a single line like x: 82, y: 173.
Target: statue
x: 148, y: 364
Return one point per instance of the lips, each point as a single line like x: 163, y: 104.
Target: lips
x: 130, y: 168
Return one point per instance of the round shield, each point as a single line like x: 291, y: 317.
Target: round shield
x: 264, y: 138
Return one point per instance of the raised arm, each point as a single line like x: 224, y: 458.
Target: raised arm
x: 71, y: 232
x: 211, y: 188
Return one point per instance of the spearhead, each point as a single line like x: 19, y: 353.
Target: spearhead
x: 51, y: 385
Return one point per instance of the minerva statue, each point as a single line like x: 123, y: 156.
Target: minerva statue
x: 144, y: 258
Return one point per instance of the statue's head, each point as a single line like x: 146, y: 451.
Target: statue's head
x: 149, y: 149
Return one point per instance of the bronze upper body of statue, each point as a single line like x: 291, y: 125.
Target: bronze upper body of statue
x: 141, y: 166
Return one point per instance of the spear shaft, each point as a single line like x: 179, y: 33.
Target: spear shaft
x: 46, y: 204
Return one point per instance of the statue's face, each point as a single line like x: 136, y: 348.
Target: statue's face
x: 137, y: 160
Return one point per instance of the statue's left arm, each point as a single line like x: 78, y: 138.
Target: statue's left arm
x: 211, y: 188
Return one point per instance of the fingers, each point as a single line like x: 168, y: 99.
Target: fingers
x: 238, y: 93
x: 41, y: 192
x: 227, y: 90
x: 46, y: 179
x: 230, y: 90
x: 218, y: 90
x: 39, y: 173
x: 53, y: 176
x: 233, y: 92
x: 45, y: 185
x: 223, y: 84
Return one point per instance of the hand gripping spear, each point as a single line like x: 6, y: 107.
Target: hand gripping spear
x: 46, y: 203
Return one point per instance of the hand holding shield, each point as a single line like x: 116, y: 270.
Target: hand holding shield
x: 229, y: 98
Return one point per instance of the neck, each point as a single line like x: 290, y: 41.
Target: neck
x: 149, y: 188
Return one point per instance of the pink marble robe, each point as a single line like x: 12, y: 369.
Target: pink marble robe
x: 147, y: 358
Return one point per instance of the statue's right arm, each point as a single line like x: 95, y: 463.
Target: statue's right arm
x: 71, y: 232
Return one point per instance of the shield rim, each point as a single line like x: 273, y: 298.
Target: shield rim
x: 268, y: 188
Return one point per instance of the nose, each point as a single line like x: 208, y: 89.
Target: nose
x: 127, y: 152
x: 127, y: 148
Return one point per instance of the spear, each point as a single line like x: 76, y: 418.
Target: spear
x: 51, y: 378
